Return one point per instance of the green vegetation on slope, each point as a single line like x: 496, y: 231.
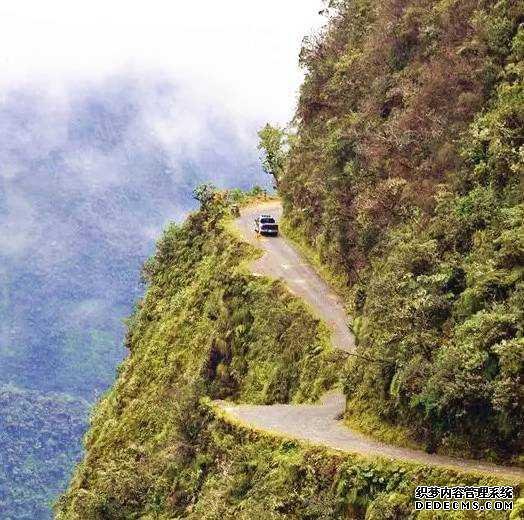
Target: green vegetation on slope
x: 157, y: 449
x: 204, y: 328
x: 38, y: 448
x: 405, y: 175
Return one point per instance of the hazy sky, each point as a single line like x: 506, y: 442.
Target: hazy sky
x: 244, y: 53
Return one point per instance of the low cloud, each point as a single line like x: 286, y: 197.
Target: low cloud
x: 90, y: 174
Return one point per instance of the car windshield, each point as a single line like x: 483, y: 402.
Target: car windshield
x: 267, y: 220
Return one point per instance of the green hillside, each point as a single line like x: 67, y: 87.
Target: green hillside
x: 404, y: 174
x: 207, y: 329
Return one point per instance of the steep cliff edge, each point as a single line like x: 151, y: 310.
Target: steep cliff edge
x: 207, y: 329
x: 403, y: 176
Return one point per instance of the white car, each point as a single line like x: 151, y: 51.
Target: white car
x: 266, y: 225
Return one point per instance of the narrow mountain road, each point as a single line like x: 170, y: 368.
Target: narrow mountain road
x: 320, y: 423
x: 281, y: 260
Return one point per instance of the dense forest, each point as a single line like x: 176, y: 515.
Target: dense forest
x: 404, y: 171
x: 37, y: 449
